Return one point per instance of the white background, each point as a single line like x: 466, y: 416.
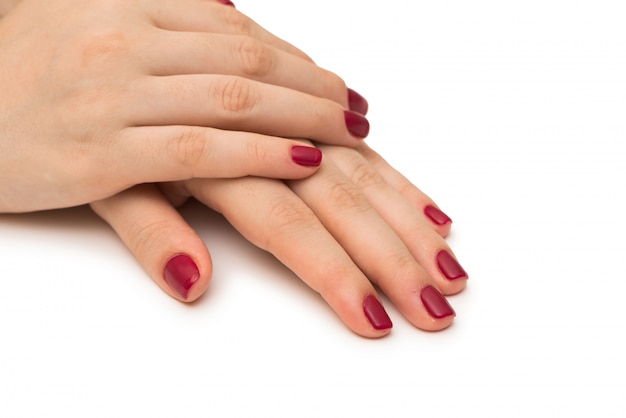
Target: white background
x: 511, y: 115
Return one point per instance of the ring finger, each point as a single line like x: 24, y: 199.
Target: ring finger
x: 236, y: 103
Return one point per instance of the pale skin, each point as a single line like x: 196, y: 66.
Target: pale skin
x: 361, y: 222
x: 100, y: 96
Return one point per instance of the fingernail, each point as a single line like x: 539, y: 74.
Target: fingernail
x: 356, y: 124
x: 449, y: 267
x: 226, y: 2
x: 434, y: 302
x: 375, y: 313
x: 181, y: 272
x: 436, y: 215
x: 306, y: 156
x: 357, y: 102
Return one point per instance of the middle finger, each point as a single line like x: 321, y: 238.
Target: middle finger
x: 174, y: 53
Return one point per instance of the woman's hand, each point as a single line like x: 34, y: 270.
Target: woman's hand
x: 100, y: 96
x: 357, y: 223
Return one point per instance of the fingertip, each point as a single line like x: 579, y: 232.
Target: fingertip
x: 376, y: 314
x: 306, y: 156
x: 362, y: 312
x: 165, y: 245
x: 436, y: 313
x: 441, y: 222
x: 226, y: 3
x: 357, y: 102
x: 186, y: 281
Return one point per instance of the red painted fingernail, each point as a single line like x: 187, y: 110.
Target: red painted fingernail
x: 449, y: 267
x: 434, y: 302
x: 357, y: 102
x: 356, y: 124
x: 226, y: 2
x: 375, y: 313
x: 306, y: 156
x: 181, y: 272
x: 436, y: 215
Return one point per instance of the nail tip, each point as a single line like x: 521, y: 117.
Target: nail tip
x: 376, y: 314
x: 435, y: 303
x: 180, y: 274
x: 227, y: 2
x: 306, y: 156
x: 356, y: 124
x: 357, y: 102
x: 436, y: 215
x: 450, y: 267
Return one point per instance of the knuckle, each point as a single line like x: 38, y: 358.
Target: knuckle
x: 234, y: 94
x: 405, y: 267
x: 257, y: 153
x: 366, y: 176
x: 101, y: 46
x: 146, y: 236
x: 345, y: 195
x: 189, y: 147
x: 236, y: 22
x: 289, y: 218
x: 256, y: 59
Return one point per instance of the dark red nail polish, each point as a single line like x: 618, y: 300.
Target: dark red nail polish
x: 356, y: 124
x: 181, y: 272
x: 434, y: 302
x: 449, y: 267
x: 306, y: 156
x: 375, y: 313
x: 357, y: 102
x: 226, y: 2
x: 436, y: 215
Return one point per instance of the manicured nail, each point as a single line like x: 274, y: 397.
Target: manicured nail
x: 449, y: 267
x: 436, y: 215
x: 356, y: 124
x: 434, y: 302
x: 306, y: 156
x: 375, y: 313
x: 181, y: 272
x: 357, y: 102
x: 226, y: 2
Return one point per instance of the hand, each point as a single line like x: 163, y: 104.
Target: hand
x: 100, y: 96
x: 356, y: 223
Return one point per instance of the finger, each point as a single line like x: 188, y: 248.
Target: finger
x: 174, y: 53
x: 169, y: 250
x: 169, y: 153
x: 426, y: 246
x: 427, y: 207
x: 213, y: 17
x: 270, y: 216
x: 237, y: 103
x: 376, y: 249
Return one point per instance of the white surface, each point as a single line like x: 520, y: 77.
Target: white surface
x: 511, y: 115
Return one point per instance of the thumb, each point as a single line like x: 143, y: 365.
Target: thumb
x: 166, y: 246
